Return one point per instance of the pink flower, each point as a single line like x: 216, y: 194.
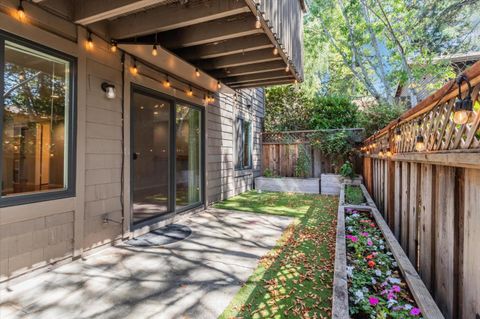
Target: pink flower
x: 396, y: 288
x: 354, y: 239
x: 364, y: 234
x: 391, y: 295
x: 415, y: 311
x: 369, y: 242
x: 374, y: 301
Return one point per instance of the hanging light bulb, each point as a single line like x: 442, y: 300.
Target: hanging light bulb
x: 212, y: 99
x: 219, y: 85
x: 420, y: 143
x: 197, y: 73
x: 205, y: 99
x: 389, y: 153
x: 166, y: 83
x: 190, y: 91
x: 258, y: 23
x: 21, y: 11
x: 113, y: 46
x: 380, y: 154
x: 89, y: 41
x: 287, y: 68
x: 463, y: 109
x: 134, y: 68
x: 154, y: 50
x: 275, y: 51
x: 398, y: 135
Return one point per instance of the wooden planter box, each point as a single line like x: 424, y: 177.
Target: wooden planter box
x: 332, y: 183
x: 340, y: 282
x: 288, y: 184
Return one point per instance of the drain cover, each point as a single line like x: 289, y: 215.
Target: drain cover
x: 162, y: 236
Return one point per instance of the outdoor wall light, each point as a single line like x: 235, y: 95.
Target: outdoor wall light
x: 109, y: 90
x: 463, y: 109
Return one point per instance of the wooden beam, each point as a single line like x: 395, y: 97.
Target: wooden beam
x: 227, y: 47
x: 274, y: 75
x: 249, y: 69
x: 235, y: 60
x: 90, y: 11
x: 167, y: 18
x: 450, y: 158
x: 209, y: 32
x: 262, y: 83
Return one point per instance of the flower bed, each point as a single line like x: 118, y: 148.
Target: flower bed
x: 376, y: 286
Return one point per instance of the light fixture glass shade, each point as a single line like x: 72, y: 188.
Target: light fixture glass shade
x: 461, y: 116
x: 420, y: 144
x: 258, y: 24
x: 109, y: 90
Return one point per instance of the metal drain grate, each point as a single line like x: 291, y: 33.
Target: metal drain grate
x: 162, y: 236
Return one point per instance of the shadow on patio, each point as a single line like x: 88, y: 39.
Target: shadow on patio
x: 192, y: 278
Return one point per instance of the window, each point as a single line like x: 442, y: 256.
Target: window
x: 37, y: 143
x: 243, y: 144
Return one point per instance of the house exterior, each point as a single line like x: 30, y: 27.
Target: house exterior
x: 119, y: 116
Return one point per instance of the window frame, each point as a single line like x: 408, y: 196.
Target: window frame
x: 239, y: 164
x: 70, y: 121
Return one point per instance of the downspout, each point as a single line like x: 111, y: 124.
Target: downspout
x: 122, y: 174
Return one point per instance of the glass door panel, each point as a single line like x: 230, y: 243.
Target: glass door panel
x: 150, y: 156
x: 188, y: 156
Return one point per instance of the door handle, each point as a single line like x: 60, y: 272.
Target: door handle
x: 135, y: 155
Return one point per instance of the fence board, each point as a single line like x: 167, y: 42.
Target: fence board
x: 398, y: 200
x: 444, y: 283
x: 412, y: 214
x: 405, y: 205
x: 471, y: 240
x: 426, y: 240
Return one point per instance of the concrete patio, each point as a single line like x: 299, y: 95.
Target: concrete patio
x: 193, y: 278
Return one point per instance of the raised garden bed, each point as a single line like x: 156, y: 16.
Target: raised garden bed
x: 373, y: 276
x: 288, y: 184
x: 332, y: 183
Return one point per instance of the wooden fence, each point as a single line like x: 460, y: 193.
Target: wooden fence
x: 431, y: 198
x: 281, y: 150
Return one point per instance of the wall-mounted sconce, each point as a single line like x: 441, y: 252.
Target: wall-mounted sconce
x: 109, y: 90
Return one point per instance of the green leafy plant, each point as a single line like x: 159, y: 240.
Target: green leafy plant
x: 304, y: 163
x: 268, y: 172
x: 374, y: 118
x: 347, y: 170
x: 337, y: 146
x: 354, y: 195
x: 333, y: 112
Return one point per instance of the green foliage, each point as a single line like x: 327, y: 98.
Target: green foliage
x: 347, y: 170
x: 288, y: 109
x: 335, y: 145
x: 331, y: 112
x: 267, y: 172
x: 304, y: 163
x: 354, y: 195
x: 373, y: 118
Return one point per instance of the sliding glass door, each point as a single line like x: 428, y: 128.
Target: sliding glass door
x: 167, y: 167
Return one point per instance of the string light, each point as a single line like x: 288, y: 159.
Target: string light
x: 166, y: 83
x: 134, y: 69
x: 21, y: 11
x: 154, y: 50
x: 398, y: 135
x: 287, y: 68
x: 190, y: 91
x: 463, y: 109
x: 420, y: 143
x: 197, y: 73
x: 219, y: 85
x: 380, y: 154
x: 113, y: 46
x: 275, y: 51
x: 89, y: 41
x: 389, y: 153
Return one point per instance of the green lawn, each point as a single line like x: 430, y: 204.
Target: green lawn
x: 294, y: 280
